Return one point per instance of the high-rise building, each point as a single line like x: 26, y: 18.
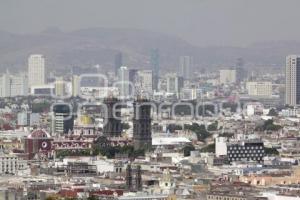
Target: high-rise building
x: 127, y: 80
x: 62, y: 119
x: 75, y: 85
x: 118, y: 62
x: 259, y: 88
x: 112, y: 122
x: 36, y: 70
x: 5, y: 85
x: 186, y: 65
x: 292, y: 80
x: 145, y: 81
x: 227, y: 76
x: 241, y: 72
x: 124, y: 81
x: 155, y: 65
x: 60, y: 87
x: 174, y: 84
x: 18, y: 85
x: 142, y: 133
x: 13, y: 85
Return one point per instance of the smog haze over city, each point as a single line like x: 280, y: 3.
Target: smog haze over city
x: 149, y: 99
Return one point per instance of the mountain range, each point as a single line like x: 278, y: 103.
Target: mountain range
x: 89, y: 47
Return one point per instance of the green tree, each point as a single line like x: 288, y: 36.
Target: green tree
x: 40, y: 107
x: 213, y: 126
x: 200, y: 131
x: 110, y: 152
x: 209, y: 148
x: 271, y: 151
x: 92, y: 198
x: 125, y: 126
x: 268, y: 126
x: 187, y: 150
x: 273, y: 112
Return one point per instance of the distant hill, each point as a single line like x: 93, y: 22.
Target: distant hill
x: 93, y: 46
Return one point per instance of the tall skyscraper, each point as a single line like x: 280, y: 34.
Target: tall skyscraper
x: 123, y: 77
x: 186, y: 65
x: 127, y: 79
x: 155, y: 65
x: 241, y: 72
x: 112, y: 125
x: 75, y: 85
x: 292, y: 80
x: 36, y: 70
x: 118, y: 62
x: 142, y: 133
x: 174, y: 83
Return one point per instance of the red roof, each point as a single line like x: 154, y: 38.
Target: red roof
x: 68, y: 193
x: 106, y: 193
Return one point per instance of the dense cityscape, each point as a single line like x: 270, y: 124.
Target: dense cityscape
x: 137, y: 134
x: 152, y: 100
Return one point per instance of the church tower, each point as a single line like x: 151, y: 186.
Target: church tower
x: 112, y: 126
x: 142, y: 136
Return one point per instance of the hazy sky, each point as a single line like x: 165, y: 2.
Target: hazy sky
x: 201, y: 22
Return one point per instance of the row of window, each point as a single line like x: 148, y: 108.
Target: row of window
x: 245, y: 155
x: 214, y: 197
x: 246, y: 151
x: 244, y: 147
x: 248, y: 159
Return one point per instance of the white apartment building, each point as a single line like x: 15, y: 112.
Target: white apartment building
x: 145, y: 81
x: 5, y: 85
x: 28, y: 119
x: 18, y: 85
x: 259, y: 88
x: 124, y: 82
x: 36, y: 70
x: 227, y: 76
x: 9, y: 163
x: 75, y: 85
x: 174, y: 83
x: 60, y: 87
x: 292, y: 80
x: 190, y: 93
x: 221, y: 146
x: 13, y: 85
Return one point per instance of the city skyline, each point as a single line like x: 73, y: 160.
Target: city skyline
x: 200, y: 22
x: 163, y: 100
